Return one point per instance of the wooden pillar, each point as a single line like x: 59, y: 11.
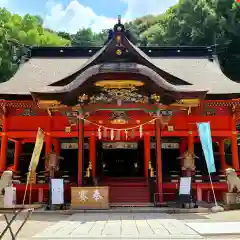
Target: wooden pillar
x: 182, y: 149
x: 147, y: 154
x: 17, y: 152
x: 80, y: 152
x: 48, y: 137
x: 159, y: 160
x: 234, y: 145
x: 57, y: 147
x: 4, y: 144
x: 48, y: 144
x: 190, y: 141
x: 92, y: 153
x: 223, y: 165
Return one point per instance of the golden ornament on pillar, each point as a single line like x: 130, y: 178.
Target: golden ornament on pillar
x: 90, y: 165
x: 151, y: 172
x: 119, y: 52
x: 68, y: 129
x: 88, y: 172
x: 149, y: 165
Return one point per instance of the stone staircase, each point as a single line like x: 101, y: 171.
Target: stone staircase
x: 127, y: 191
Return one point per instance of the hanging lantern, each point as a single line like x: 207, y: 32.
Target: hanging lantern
x: 126, y: 134
x: 140, y: 131
x: 99, y: 133
x: 112, y: 134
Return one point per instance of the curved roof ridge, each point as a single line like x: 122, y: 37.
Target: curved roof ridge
x: 95, y: 69
x: 86, y: 64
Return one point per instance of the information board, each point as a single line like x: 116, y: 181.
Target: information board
x: 185, y: 186
x: 10, y: 197
x: 57, y: 191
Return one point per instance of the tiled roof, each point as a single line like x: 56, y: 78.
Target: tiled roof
x: 40, y: 72
x: 200, y: 72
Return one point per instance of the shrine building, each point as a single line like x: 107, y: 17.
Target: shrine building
x: 120, y: 114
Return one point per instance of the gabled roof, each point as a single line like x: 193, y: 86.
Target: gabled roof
x: 52, y: 70
x: 40, y: 72
x: 119, y: 55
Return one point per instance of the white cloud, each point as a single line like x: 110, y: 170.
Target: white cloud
x: 76, y: 16
x: 3, y: 3
x: 139, y: 8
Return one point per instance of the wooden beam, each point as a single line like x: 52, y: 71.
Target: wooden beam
x: 63, y: 134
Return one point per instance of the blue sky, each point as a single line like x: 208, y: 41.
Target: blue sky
x: 70, y: 15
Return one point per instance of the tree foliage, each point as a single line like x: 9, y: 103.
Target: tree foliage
x: 86, y: 37
x: 189, y: 22
x: 16, y: 31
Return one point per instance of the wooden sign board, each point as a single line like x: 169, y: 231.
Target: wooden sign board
x: 72, y: 145
x: 120, y: 145
x: 90, y: 197
x: 166, y: 145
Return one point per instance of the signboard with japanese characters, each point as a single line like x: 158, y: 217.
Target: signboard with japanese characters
x: 120, y: 145
x: 166, y: 145
x: 72, y: 145
x: 90, y: 197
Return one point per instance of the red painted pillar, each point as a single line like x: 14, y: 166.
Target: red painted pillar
x: 159, y: 160
x: 48, y: 144
x: 182, y: 148
x: 4, y: 145
x: 234, y: 145
x: 147, y: 154
x: 222, y: 154
x: 48, y: 137
x: 80, y: 151
x: 92, y: 153
x: 190, y: 141
x: 57, y: 147
x: 17, y: 152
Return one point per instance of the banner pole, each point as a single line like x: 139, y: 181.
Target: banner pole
x: 30, y: 193
x: 214, y: 196
x: 26, y: 189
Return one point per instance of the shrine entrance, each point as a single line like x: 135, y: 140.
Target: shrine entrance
x: 121, y: 159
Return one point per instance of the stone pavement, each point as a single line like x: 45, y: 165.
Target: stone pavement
x: 37, y: 223
x: 119, y: 226
x: 90, y: 226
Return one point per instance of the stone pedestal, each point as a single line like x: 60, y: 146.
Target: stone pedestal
x: 232, y: 199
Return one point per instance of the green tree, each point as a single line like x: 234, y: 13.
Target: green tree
x: 86, y: 37
x: 17, y: 31
x: 64, y: 35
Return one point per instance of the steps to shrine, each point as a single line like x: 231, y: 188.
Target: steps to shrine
x: 127, y: 190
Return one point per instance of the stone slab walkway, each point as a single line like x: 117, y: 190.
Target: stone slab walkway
x: 119, y: 226
x: 216, y: 228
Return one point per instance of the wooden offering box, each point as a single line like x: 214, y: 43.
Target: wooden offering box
x: 90, y: 197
